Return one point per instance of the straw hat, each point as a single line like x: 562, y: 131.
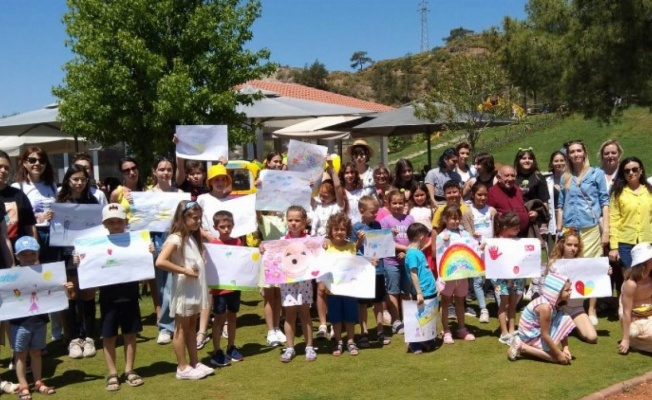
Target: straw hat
x: 215, y: 171
x: 360, y: 143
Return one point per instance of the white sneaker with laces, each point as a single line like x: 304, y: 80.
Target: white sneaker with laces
x: 190, y: 373
x: 484, y: 316
x: 280, y: 335
x: 164, y: 337
x: 89, y: 348
x: 272, y: 339
x: 75, y: 349
x: 204, y: 368
x: 322, y: 332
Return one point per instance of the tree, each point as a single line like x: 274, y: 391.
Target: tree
x: 457, y: 33
x: 314, y: 75
x: 468, y: 95
x: 359, y: 59
x: 141, y: 67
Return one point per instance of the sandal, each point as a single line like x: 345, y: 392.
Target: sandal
x: 448, y: 338
x: 465, y: 335
x: 42, y: 388
x: 133, y: 379
x: 23, y: 393
x: 363, y: 341
x: 352, y: 348
x: 112, y: 383
x: 8, y: 387
x: 338, y: 349
x: 202, y: 342
x: 384, y: 340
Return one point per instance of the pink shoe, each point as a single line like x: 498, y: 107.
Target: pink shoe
x: 465, y: 335
x: 448, y: 338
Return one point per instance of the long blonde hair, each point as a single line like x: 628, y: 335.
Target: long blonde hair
x: 179, y: 227
x: 568, y: 171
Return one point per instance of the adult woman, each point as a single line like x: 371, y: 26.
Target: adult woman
x: 436, y: 178
x: 130, y: 174
x: 486, y: 173
x: 35, y: 178
x: 556, y: 166
x: 630, y: 210
x: 21, y: 219
x: 528, y: 178
x: 465, y: 170
x: 610, y: 153
x: 360, y: 153
x: 583, y: 201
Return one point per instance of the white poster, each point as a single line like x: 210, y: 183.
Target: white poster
x: 420, y: 322
x: 33, y: 290
x: 153, y: 211
x: 589, y: 276
x: 72, y: 221
x: 307, y: 157
x: 243, y: 209
x: 349, y: 275
x: 512, y: 258
x: 202, y: 142
x: 279, y: 190
x: 121, y: 258
x: 379, y: 244
x: 232, y: 267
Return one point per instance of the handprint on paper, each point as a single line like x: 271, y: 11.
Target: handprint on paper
x: 494, y: 253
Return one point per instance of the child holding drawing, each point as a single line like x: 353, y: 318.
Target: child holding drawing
x: 28, y: 333
x: 183, y: 255
x: 226, y: 303
x: 422, y: 281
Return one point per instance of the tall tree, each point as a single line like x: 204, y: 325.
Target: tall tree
x: 314, y: 75
x: 468, y: 95
x: 140, y: 67
x: 359, y: 59
x: 457, y: 33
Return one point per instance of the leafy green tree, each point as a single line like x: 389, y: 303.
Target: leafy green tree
x: 468, y: 95
x: 359, y: 59
x: 314, y: 75
x: 140, y: 67
x: 457, y: 33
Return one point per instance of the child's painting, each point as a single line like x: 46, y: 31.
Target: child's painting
x: 589, y: 276
x: 379, y: 243
x: 292, y: 260
x: 307, y: 157
x: 232, y: 267
x: 243, y: 209
x: 349, y: 275
x: 33, y: 290
x: 72, y: 221
x: 202, y: 142
x: 279, y: 190
x: 420, y: 322
x: 153, y: 211
x: 512, y: 258
x: 110, y: 259
x: 458, y: 261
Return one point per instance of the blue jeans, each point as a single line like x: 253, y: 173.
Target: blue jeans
x: 625, y: 253
x: 163, y: 285
x: 478, y: 289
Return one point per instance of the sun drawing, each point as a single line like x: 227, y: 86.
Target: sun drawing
x: 47, y: 275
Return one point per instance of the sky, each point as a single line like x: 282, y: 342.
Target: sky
x: 297, y: 32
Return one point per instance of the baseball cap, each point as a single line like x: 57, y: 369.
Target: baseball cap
x: 113, y: 211
x: 26, y: 243
x: 641, y: 253
x: 215, y: 171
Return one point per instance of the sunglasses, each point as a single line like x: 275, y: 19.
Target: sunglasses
x: 360, y: 155
x: 128, y: 170
x: 34, y: 160
x: 634, y: 170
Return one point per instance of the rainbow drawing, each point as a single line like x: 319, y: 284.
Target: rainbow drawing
x: 459, y: 261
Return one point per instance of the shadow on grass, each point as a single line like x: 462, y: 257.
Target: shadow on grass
x: 68, y: 377
x: 250, y: 320
x: 251, y: 303
x: 156, y: 369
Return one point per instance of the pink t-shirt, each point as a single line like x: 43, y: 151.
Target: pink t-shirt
x: 401, y: 238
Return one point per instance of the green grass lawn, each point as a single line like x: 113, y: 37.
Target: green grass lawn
x: 471, y: 370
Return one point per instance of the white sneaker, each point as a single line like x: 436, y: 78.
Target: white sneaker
x: 89, y: 348
x: 484, y: 316
x: 190, y: 373
x: 75, y: 348
x: 280, y: 335
x: 273, y: 339
x: 164, y: 337
x: 322, y: 332
x: 205, y: 369
x: 594, y: 320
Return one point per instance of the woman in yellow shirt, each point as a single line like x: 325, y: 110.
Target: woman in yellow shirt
x: 630, y: 210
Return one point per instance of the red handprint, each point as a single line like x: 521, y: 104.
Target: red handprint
x: 494, y: 253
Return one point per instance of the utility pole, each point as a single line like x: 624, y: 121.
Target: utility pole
x: 423, y: 10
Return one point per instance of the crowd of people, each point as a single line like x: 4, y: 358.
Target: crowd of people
x: 575, y: 210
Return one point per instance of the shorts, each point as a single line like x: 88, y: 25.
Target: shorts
x: 574, y: 308
x: 505, y: 287
x: 226, y: 302
x: 28, y: 336
x: 296, y: 294
x: 396, y: 281
x: 124, y: 315
x: 380, y: 294
x: 342, y: 309
x: 456, y: 288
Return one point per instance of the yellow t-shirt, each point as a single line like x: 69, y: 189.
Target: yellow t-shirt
x: 349, y: 247
x: 437, y: 217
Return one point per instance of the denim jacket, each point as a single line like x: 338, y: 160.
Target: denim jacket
x: 582, y: 205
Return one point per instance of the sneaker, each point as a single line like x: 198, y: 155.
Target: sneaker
x: 514, y: 348
x: 75, y: 348
x: 397, y: 327
x: 219, y: 359
x: 164, y: 337
x: 190, y: 373
x: 504, y: 339
x: 289, y: 353
x: 273, y: 339
x: 322, y: 332
x: 280, y: 335
x: 594, y: 320
x: 470, y: 312
x: 205, y: 369
x: 89, y: 348
x: 415, y: 348
x: 234, y: 354
x: 311, y: 354
x: 451, y: 312
x: 484, y: 316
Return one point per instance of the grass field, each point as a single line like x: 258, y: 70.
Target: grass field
x: 471, y: 370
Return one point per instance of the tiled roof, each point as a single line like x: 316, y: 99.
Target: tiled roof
x: 308, y: 93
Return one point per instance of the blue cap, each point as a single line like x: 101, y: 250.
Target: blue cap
x: 26, y: 243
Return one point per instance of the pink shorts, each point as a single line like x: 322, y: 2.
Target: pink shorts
x: 457, y: 288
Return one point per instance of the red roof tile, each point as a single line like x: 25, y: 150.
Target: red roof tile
x: 308, y: 93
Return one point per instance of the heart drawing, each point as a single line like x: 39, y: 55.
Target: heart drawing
x: 516, y: 270
x: 314, y: 273
x: 110, y: 251
x: 584, y: 288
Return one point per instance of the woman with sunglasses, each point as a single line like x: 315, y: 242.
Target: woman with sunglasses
x: 584, y: 205
x: 35, y: 178
x: 130, y: 183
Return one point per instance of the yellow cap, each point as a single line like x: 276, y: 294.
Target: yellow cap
x: 215, y: 171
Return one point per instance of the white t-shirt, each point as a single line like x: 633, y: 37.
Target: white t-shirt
x: 483, y: 222
x: 39, y: 195
x: 353, y: 197
x: 319, y: 217
x: 368, y: 179
x: 422, y: 215
x: 99, y: 195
